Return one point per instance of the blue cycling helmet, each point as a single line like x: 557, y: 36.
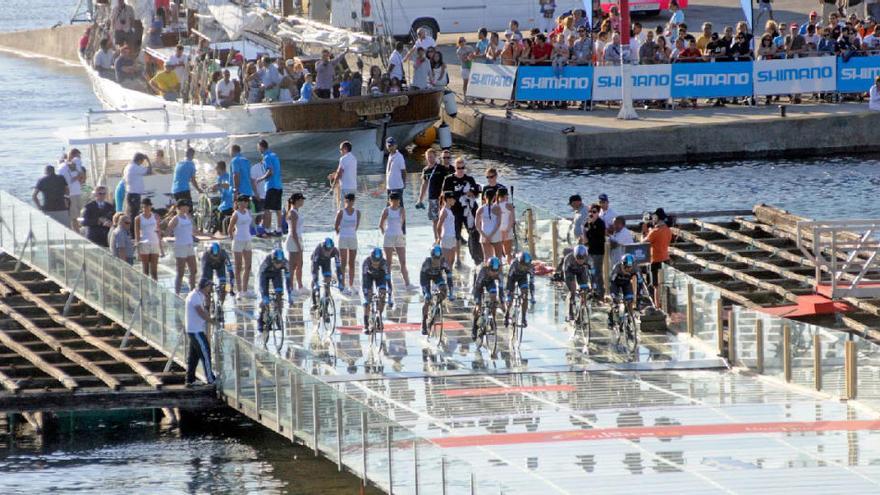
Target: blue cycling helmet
x: 278, y: 254
x: 328, y: 243
x: 525, y: 258
x: 494, y: 264
x: 436, y: 252
x: 376, y: 255
x: 215, y: 248
x: 580, y: 252
x: 629, y: 260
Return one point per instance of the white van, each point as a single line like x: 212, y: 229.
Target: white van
x: 401, y: 18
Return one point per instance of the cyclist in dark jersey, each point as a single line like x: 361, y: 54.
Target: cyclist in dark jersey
x: 488, y: 280
x: 322, y: 256
x: 375, y: 273
x: 214, y: 261
x: 621, y: 280
x: 521, y: 274
x: 576, y: 271
x: 432, y: 271
x: 273, y: 269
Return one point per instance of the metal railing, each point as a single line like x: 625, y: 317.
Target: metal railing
x: 332, y: 419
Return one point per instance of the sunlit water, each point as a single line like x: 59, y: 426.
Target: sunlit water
x: 229, y: 454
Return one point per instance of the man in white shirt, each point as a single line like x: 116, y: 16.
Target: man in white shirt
x: 259, y: 187
x: 606, y: 213
x: 620, y: 238
x: 103, y: 60
x: 423, y: 40
x: 874, y: 93
x: 197, y: 316
x: 345, y: 177
x: 395, y: 62
x: 133, y: 175
x: 224, y: 92
x: 395, y: 170
x: 75, y: 175
x: 179, y: 62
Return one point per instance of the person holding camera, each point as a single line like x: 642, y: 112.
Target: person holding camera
x: 656, y: 232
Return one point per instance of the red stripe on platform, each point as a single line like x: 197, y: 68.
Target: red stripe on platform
x: 449, y: 326
x: 655, y: 432
x: 475, y: 392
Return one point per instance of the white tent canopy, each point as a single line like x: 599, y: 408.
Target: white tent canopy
x: 133, y: 132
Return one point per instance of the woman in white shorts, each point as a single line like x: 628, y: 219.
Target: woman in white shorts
x: 348, y: 219
x: 488, y: 223
x: 242, y: 244
x: 393, y: 227
x: 181, y: 225
x: 444, y: 233
x: 508, y: 216
x: 294, y: 241
x: 146, y: 231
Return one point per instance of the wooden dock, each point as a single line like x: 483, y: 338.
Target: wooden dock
x: 56, y: 361
x: 756, y: 263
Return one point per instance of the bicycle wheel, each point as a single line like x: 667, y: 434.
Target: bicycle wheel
x: 204, y: 214
x: 585, y: 324
x: 278, y: 331
x: 435, y: 325
x: 515, y: 319
x: 632, y: 338
x: 330, y: 317
x: 492, y: 335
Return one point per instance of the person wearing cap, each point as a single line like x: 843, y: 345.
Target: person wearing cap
x: 659, y: 235
x: 376, y: 274
x: 197, y: 317
x: 242, y: 244
x: 345, y: 177
x: 579, y: 218
x: 395, y: 169
x: 274, y: 187
x: 392, y: 224
x: 149, y: 242
x: 606, y: 212
x: 795, y: 44
x: 348, y: 220
x: 294, y: 242
x: 812, y: 20
x: 181, y: 225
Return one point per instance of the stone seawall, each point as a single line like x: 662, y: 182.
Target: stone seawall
x: 61, y: 43
x: 849, y: 128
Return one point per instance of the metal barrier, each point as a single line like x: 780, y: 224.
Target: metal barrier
x: 332, y: 419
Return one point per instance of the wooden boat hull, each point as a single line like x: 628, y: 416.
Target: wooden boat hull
x: 310, y: 131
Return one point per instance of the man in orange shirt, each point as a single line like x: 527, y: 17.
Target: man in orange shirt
x: 659, y: 235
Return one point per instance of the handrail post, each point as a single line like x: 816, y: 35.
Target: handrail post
x: 554, y: 229
x: 473, y: 483
x: 315, y: 419
x: 443, y: 474
x: 297, y: 404
x: 339, y: 433
x: 719, y: 322
x: 690, y: 309
x: 256, y: 383
x: 236, y: 364
x: 277, y: 398
x: 661, y: 276
x: 104, y: 285
x: 759, y: 346
x: 530, y: 216
x: 817, y: 362
x: 164, y: 307
x: 606, y: 266
x: 389, y: 433
x: 850, y: 370
x: 731, y: 339
x: 786, y: 352
x: 63, y: 256
x: 364, y: 444
x: 416, y: 465
x: 291, y: 377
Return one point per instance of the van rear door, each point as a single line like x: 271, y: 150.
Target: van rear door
x: 346, y: 14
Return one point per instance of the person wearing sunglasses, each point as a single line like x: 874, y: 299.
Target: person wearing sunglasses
x: 462, y: 187
x: 594, y: 238
x: 433, y: 175
x: 97, y: 217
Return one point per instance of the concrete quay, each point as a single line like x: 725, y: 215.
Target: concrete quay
x: 668, y: 136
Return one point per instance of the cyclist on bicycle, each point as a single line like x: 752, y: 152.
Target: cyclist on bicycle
x: 272, y: 269
x: 321, y: 257
x: 214, y: 261
x: 576, y: 269
x: 433, y: 269
x: 520, y: 274
x: 621, y: 282
x: 375, y: 273
x: 489, y: 280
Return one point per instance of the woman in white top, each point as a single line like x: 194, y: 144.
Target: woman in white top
x: 348, y: 219
x: 444, y: 232
x: 146, y: 231
x: 508, y: 217
x: 294, y: 242
x: 393, y: 227
x: 242, y: 244
x: 488, y: 223
x: 181, y: 225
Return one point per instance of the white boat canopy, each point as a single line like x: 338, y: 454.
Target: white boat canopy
x: 132, y: 132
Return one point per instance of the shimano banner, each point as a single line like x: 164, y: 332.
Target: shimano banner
x: 795, y: 75
x: 711, y: 80
x: 491, y: 81
x: 649, y: 82
x: 858, y: 74
x: 539, y: 83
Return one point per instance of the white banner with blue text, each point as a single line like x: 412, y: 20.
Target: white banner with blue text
x: 649, y: 82
x: 795, y: 75
x: 494, y: 82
